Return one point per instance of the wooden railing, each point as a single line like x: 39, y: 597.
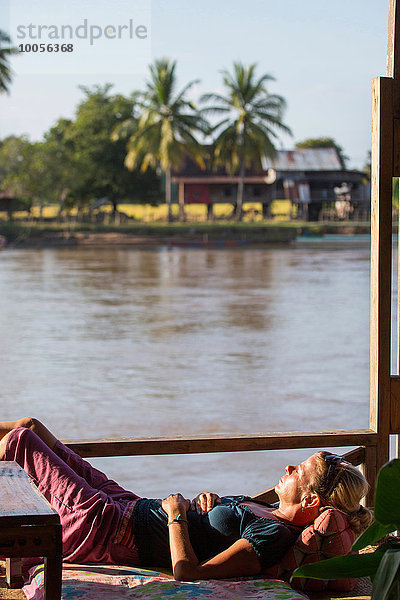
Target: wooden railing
x: 234, y: 443
x: 384, y: 388
x: 223, y: 443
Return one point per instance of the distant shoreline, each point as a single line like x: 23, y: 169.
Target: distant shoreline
x: 28, y: 235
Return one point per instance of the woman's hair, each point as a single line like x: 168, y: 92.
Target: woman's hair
x: 341, y: 485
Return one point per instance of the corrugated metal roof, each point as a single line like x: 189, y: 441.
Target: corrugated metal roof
x: 304, y: 159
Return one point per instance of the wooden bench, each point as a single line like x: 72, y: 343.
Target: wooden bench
x: 29, y: 527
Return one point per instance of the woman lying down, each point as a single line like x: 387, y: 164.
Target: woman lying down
x: 206, y: 538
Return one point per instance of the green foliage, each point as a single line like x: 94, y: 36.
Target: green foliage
x: 251, y: 117
x: 33, y: 171
x: 163, y: 132
x: 325, y: 142
x: 386, y: 507
x: 355, y: 565
x: 17, y: 166
x: 13, y: 232
x: 28, y: 175
x: 77, y: 162
x: 98, y: 153
x: 63, y: 173
x: 97, y: 160
x: 382, y: 565
x: 6, y: 50
x: 12, y: 149
x: 167, y: 124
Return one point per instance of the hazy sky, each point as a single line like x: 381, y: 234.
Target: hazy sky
x: 323, y: 55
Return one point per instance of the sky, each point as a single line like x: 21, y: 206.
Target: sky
x: 322, y: 54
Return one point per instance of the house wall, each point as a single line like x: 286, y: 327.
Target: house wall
x: 225, y: 193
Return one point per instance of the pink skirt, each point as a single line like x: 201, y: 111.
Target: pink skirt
x: 95, y: 512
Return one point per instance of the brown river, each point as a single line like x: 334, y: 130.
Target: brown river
x: 121, y: 342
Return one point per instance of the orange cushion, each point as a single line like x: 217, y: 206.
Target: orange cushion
x: 329, y: 535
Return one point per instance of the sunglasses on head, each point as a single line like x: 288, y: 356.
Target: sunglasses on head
x: 333, y: 461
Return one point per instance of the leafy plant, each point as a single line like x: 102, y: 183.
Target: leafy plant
x: 383, y: 565
x: 5, y: 52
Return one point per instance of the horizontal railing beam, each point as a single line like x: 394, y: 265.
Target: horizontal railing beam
x: 222, y: 443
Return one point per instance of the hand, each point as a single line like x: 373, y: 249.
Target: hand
x: 204, y: 502
x: 175, y: 504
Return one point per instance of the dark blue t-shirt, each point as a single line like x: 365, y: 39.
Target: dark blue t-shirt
x: 212, y: 533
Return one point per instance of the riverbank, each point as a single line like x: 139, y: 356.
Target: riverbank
x: 35, y: 235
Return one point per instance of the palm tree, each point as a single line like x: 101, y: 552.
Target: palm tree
x: 5, y: 52
x: 165, y: 131
x: 251, y: 118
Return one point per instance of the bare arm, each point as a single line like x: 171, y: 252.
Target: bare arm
x: 236, y: 561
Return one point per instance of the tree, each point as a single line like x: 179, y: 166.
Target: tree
x: 164, y: 133
x: 27, y: 171
x: 325, y: 142
x: 77, y: 162
x: 5, y: 52
x: 251, y: 117
x: 13, y: 153
x: 100, y: 153
x: 65, y: 173
x: 38, y: 172
x: 95, y: 162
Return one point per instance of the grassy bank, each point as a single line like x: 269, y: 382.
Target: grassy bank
x: 148, y: 224
x: 25, y: 233
x: 194, y: 212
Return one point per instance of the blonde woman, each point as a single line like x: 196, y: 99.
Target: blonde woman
x: 205, y: 538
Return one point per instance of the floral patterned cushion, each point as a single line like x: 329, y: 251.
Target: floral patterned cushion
x: 106, y: 582
x: 329, y: 535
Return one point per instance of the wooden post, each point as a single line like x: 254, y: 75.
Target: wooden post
x: 53, y: 568
x: 393, y: 46
x: 181, y: 200
x: 14, y: 577
x: 395, y: 416
x: 369, y: 470
x: 168, y: 193
x: 381, y: 245
x: 384, y: 165
x: 393, y: 70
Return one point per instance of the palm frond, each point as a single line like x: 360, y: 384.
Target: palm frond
x: 124, y: 130
x: 214, y: 98
x: 185, y: 89
x: 168, y: 123
x: 253, y: 121
x: 5, y: 52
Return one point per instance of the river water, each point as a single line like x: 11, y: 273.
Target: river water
x: 121, y: 342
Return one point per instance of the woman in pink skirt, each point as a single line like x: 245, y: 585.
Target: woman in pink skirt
x: 206, y: 538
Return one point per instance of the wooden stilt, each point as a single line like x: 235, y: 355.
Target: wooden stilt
x: 181, y: 200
